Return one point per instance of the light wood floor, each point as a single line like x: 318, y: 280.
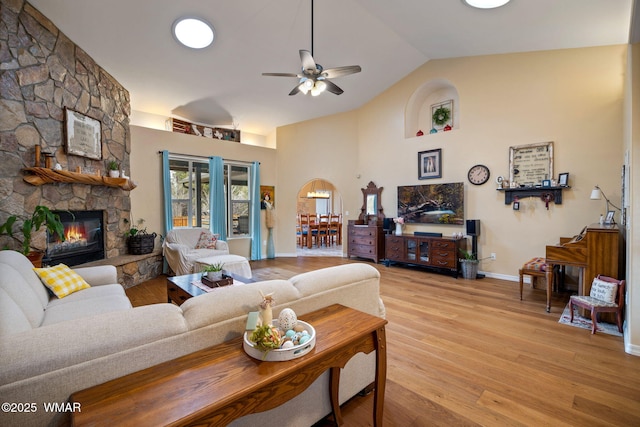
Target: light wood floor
x: 469, y: 352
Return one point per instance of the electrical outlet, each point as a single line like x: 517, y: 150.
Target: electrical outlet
x: 493, y: 255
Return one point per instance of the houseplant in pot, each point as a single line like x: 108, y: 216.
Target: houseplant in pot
x: 139, y: 241
x: 213, y: 271
x: 469, y: 262
x: 41, y: 215
x: 114, y: 169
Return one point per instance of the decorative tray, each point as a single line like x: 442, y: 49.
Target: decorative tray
x: 226, y: 280
x: 280, y: 355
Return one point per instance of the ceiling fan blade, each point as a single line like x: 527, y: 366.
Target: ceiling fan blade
x: 332, y: 73
x: 308, y: 64
x: 332, y: 87
x: 295, y: 90
x: 282, y: 75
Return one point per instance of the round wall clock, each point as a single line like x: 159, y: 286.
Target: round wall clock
x: 478, y: 174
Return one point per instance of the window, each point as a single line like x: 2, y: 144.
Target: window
x: 190, y: 194
x: 236, y: 178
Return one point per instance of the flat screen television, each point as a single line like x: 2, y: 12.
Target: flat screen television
x: 432, y: 203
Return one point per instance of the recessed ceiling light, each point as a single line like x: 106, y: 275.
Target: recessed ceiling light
x: 193, y: 32
x: 486, y: 4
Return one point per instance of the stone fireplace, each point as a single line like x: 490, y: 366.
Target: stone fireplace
x: 43, y: 73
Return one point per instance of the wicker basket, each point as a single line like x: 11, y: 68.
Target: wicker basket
x: 141, y: 244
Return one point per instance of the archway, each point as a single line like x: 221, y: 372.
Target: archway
x: 316, y: 198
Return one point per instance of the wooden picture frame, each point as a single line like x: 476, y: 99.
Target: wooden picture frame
x: 83, y: 135
x: 430, y: 164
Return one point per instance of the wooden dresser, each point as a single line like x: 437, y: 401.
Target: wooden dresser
x: 365, y: 241
x: 440, y: 253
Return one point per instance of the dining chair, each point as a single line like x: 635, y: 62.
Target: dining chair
x: 302, y: 229
x: 334, y: 228
x: 322, y: 236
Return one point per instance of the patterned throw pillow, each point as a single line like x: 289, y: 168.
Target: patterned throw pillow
x: 206, y: 241
x: 61, y: 280
x: 604, y: 291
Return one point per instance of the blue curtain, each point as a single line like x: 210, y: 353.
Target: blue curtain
x: 256, y: 241
x: 217, y: 217
x: 166, y: 191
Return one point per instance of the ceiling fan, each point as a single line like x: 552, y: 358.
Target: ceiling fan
x: 313, y: 78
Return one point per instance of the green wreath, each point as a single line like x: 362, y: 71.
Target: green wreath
x: 441, y: 116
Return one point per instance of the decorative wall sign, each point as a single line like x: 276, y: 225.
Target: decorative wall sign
x: 181, y: 126
x: 430, y: 164
x: 83, y: 135
x: 531, y: 164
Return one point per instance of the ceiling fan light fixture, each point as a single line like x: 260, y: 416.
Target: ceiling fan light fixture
x: 486, y: 4
x: 318, y: 88
x: 194, y: 33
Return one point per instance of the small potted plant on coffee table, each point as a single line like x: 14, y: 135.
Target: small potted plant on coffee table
x: 213, y: 271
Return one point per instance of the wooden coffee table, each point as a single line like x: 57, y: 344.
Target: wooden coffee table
x: 216, y: 385
x: 180, y: 288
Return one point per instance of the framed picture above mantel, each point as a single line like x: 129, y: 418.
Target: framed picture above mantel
x: 83, y: 135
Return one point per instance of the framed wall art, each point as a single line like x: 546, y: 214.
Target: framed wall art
x: 563, y: 179
x: 83, y: 135
x: 442, y: 116
x: 430, y: 164
x: 267, y: 197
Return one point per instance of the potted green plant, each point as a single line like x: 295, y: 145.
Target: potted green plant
x: 114, y: 168
x: 139, y: 241
x: 41, y: 215
x: 213, y: 271
x: 469, y: 262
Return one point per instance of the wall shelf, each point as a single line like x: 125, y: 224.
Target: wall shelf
x: 41, y: 176
x: 511, y: 193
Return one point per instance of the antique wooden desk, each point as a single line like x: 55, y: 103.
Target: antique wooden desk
x: 214, y: 386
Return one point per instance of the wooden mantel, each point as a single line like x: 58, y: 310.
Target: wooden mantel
x: 41, y: 176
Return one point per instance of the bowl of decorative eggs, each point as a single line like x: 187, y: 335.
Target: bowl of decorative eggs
x: 285, y: 339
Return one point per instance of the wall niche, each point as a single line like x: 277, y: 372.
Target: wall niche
x: 418, y: 111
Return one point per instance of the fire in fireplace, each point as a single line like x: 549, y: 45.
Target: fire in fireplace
x: 84, y: 239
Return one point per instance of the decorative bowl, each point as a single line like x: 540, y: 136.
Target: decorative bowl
x: 281, y: 354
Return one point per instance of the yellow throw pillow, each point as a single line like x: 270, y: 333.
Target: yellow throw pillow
x: 61, y: 280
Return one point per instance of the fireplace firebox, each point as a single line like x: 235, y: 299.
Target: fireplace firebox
x: 84, y: 239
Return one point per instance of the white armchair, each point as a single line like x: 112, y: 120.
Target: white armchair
x: 179, y: 249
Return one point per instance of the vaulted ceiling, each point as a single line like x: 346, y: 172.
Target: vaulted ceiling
x: 223, y: 84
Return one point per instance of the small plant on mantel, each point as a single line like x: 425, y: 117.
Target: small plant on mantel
x: 139, y: 241
x: 114, y: 168
x: 41, y: 215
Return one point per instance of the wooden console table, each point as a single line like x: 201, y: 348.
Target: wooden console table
x: 216, y: 385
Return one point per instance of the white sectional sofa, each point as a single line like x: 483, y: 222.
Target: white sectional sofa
x: 51, y: 348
